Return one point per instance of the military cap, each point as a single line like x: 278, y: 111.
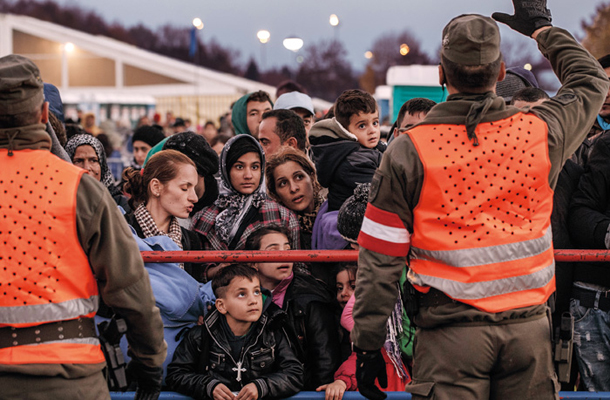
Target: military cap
x: 21, y: 87
x: 471, y: 39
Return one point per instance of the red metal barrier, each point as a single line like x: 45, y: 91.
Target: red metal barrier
x: 320, y: 256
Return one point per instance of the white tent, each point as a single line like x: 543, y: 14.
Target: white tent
x: 118, y: 80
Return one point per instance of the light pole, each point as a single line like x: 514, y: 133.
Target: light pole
x: 294, y: 44
x: 334, y: 22
x: 194, y: 53
x: 66, y: 48
x: 263, y: 36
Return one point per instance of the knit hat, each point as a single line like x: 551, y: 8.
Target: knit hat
x: 199, y: 151
x: 148, y: 134
x: 517, y: 78
x: 21, y: 87
x: 471, y: 39
x: 56, y: 106
x: 351, y: 213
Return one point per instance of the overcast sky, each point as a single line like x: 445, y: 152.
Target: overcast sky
x: 234, y: 23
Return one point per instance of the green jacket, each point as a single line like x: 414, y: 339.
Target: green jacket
x: 569, y: 115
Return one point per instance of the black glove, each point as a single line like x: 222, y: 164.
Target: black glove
x: 370, y: 365
x: 148, y: 379
x: 530, y: 15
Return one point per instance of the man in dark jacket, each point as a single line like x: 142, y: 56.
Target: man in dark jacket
x: 589, y: 224
x: 242, y: 346
x: 465, y: 198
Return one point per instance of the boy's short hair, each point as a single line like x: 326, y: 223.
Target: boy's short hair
x: 261, y: 96
x: 352, y: 102
x: 288, y: 125
x: 414, y: 106
x: 225, y: 276
x: 254, y: 240
x: 529, y: 95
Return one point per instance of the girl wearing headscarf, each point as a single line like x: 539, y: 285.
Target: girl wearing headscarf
x: 87, y: 152
x: 242, y: 205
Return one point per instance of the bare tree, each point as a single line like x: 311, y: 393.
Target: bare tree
x: 391, y: 49
x: 325, y: 70
x: 597, y: 31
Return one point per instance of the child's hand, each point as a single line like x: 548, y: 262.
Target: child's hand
x: 222, y: 392
x: 248, y: 392
x: 334, y: 391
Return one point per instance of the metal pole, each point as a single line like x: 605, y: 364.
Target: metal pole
x: 322, y: 256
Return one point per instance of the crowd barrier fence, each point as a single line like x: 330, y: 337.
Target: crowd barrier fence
x: 358, y: 396
x: 320, y: 256
x: 332, y: 256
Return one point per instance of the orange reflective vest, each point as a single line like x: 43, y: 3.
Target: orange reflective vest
x: 45, y: 275
x: 481, y: 228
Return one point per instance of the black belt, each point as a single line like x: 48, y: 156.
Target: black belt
x: 53, y: 331
x: 434, y: 298
x: 591, y: 298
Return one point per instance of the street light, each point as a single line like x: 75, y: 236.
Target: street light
x: 334, y: 20
x: 293, y: 43
x: 368, y: 55
x: 263, y: 36
x: 404, y: 49
x: 528, y: 66
x: 198, y: 23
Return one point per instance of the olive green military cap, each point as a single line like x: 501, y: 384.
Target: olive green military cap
x: 21, y: 87
x: 471, y: 39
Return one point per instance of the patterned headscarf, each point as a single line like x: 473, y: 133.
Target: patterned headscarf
x: 106, y: 176
x: 234, y: 204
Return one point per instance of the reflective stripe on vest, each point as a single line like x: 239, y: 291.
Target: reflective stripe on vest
x: 481, y: 228
x: 41, y: 313
x: 46, y: 275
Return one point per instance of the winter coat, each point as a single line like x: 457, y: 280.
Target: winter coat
x: 589, y: 216
x: 180, y: 298
x: 311, y: 313
x: 267, y: 359
x: 341, y: 161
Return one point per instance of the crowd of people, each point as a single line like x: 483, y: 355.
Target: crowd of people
x: 277, y: 176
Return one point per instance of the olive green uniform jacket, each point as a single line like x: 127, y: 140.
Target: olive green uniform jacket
x: 569, y: 115
x: 116, y: 263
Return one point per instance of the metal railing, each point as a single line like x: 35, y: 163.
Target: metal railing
x: 358, y: 396
x: 331, y: 256
x: 320, y: 256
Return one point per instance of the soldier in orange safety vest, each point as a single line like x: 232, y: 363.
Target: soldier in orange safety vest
x: 63, y: 247
x: 465, y: 198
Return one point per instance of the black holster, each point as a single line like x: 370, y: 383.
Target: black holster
x: 110, y: 333
x: 563, y: 345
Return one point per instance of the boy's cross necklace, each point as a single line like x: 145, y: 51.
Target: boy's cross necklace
x: 239, y: 370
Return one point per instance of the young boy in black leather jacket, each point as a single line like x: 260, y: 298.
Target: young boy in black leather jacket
x: 242, y: 351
